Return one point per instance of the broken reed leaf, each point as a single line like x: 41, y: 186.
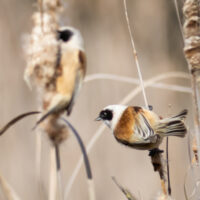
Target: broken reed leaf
x: 80, y: 142
x: 86, y: 160
x: 125, y: 191
x: 16, y: 119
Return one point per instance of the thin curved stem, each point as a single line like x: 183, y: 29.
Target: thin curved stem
x: 125, y: 79
x: 168, y: 172
x: 16, y: 119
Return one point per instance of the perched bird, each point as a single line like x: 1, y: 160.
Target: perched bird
x: 140, y: 128
x: 71, y: 69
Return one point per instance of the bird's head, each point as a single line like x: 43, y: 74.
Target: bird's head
x: 70, y: 38
x: 111, y: 114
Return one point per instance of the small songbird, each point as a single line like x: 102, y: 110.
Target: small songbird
x: 141, y: 128
x: 71, y: 71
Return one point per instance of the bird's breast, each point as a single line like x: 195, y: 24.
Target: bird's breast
x: 124, y: 128
x: 69, y: 65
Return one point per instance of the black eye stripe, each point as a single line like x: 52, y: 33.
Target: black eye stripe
x: 106, y: 114
x: 65, y: 35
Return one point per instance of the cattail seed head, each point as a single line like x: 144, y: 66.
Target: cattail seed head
x: 42, y: 56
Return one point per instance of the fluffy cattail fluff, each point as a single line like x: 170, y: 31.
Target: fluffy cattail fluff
x: 191, y: 30
x: 173, y: 126
x: 42, y: 53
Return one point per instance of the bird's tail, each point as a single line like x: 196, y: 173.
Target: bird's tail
x: 173, y: 126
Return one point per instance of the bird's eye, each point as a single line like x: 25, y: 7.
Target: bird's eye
x: 106, y: 115
x: 65, y: 35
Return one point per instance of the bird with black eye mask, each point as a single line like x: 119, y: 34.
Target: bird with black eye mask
x: 71, y: 67
x: 141, y: 128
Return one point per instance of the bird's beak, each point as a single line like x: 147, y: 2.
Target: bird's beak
x: 98, y: 119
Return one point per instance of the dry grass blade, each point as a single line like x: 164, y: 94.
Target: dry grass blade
x: 7, y: 190
x: 16, y: 119
x: 86, y: 161
x: 135, y: 55
x: 125, y: 191
x: 125, y: 100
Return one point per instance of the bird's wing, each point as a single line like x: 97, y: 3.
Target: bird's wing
x: 78, y: 81
x: 143, y: 129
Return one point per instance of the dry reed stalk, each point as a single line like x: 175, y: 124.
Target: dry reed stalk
x: 178, y: 17
x: 125, y: 191
x: 52, y: 181
x: 7, y: 190
x: 135, y: 55
x: 100, y: 130
x: 43, y: 56
x: 191, y: 28
x: 157, y: 162
x: 156, y: 158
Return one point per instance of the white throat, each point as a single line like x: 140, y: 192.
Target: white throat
x: 117, y: 113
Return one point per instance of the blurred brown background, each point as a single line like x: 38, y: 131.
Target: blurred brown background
x: 107, y: 43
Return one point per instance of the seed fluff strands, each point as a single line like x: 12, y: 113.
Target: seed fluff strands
x: 42, y: 57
